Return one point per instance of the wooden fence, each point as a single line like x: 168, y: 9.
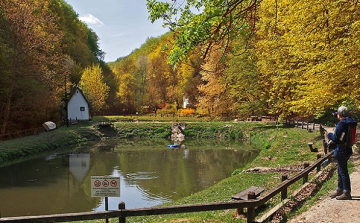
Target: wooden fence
x: 123, y: 213
x: 303, y: 125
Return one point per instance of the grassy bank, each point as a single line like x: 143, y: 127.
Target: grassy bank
x: 280, y: 147
x: 155, y: 118
x: 12, y: 150
x: 192, y: 130
x: 15, y: 149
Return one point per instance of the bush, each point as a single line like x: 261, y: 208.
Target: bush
x: 187, y: 111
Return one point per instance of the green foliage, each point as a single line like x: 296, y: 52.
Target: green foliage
x: 199, y: 23
x: 143, y: 130
x: 79, y: 41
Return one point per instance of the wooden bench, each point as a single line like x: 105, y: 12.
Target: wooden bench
x: 252, y: 193
x: 243, y: 195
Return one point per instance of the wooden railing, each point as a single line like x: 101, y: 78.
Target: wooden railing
x: 123, y: 213
x: 303, y: 125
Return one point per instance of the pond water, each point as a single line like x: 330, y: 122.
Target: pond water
x: 150, y: 174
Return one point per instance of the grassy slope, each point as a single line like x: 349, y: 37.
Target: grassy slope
x: 279, y: 147
x: 12, y: 150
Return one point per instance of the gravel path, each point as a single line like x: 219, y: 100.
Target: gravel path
x: 333, y: 211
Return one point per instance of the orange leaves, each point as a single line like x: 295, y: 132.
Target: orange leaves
x: 187, y: 111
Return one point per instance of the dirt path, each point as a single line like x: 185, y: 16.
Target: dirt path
x: 333, y: 211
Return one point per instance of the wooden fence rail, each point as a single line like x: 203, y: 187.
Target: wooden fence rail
x: 303, y: 125
x: 123, y: 213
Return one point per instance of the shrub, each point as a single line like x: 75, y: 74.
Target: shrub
x: 187, y: 111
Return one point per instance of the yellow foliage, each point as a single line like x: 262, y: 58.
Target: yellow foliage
x: 308, y: 52
x: 187, y: 111
x: 94, y: 88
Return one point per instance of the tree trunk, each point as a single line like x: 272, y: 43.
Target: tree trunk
x: 7, y: 108
x: 10, y: 95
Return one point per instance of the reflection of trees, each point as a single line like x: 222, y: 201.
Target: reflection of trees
x: 177, y: 177
x: 43, y: 186
x: 102, y: 162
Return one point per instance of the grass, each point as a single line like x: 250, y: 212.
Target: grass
x: 192, y: 130
x: 155, y: 118
x: 22, y: 148
x: 280, y: 147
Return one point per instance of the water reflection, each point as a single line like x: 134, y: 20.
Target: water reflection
x: 150, y: 174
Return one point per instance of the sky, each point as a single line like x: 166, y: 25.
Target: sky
x: 121, y: 25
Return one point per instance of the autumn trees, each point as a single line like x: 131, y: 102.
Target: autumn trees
x: 93, y: 86
x: 32, y: 42
x: 145, y: 80
x: 286, y: 58
x: 227, y: 57
x: 44, y: 47
x: 308, y: 54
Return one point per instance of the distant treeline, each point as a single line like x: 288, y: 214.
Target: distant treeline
x: 289, y: 59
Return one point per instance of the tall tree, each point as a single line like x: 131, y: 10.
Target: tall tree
x: 213, y: 91
x: 33, y: 37
x: 126, y: 93
x: 245, y: 85
x: 93, y: 86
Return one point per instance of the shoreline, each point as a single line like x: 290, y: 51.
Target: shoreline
x: 280, y: 147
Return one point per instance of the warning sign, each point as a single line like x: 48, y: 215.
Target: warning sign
x: 102, y: 186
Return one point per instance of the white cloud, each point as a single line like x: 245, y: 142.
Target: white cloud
x: 90, y: 19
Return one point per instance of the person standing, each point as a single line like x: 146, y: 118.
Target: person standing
x: 342, y: 153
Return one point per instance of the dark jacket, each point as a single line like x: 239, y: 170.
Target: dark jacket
x: 341, y: 127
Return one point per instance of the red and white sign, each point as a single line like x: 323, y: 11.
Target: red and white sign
x: 103, y: 186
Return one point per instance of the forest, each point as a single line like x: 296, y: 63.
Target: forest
x: 227, y: 58
x: 44, y: 50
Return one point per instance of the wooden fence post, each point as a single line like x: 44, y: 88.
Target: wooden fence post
x: 325, y: 146
x: 284, y: 191
x: 251, y: 210
x: 310, y: 145
x: 122, y: 219
x: 305, y: 178
x: 318, y: 168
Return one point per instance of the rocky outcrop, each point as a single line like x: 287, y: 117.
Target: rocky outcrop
x: 177, y: 133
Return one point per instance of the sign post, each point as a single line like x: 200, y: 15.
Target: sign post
x: 105, y: 186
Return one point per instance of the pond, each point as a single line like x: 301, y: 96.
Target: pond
x: 150, y: 174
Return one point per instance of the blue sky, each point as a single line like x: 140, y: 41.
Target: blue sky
x: 122, y: 25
